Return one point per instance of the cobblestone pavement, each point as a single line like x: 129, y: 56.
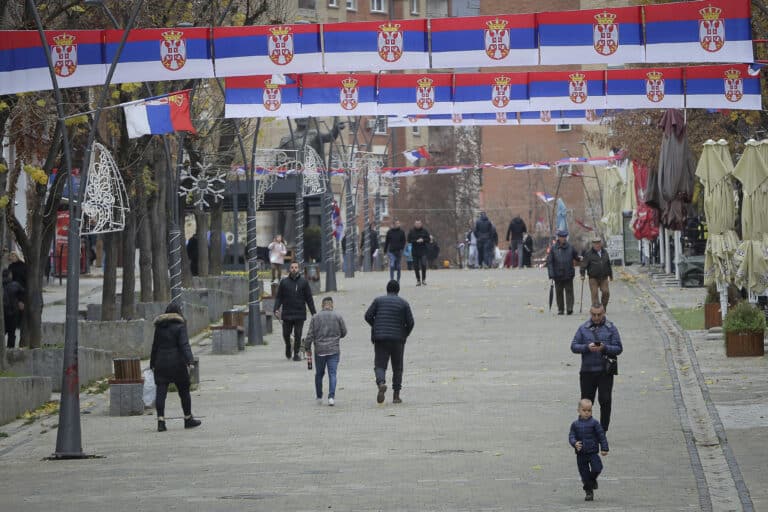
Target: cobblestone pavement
x: 490, y: 388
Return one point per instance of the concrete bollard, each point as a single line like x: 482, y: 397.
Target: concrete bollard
x: 126, y: 399
x: 224, y: 342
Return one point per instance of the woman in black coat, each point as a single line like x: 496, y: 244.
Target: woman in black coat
x: 170, y: 360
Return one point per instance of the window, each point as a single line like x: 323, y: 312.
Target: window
x: 414, y: 6
x: 378, y: 5
x: 307, y: 4
x: 351, y: 5
x: 416, y: 131
x: 563, y: 127
x: 333, y: 3
x: 383, y: 204
x: 380, y: 126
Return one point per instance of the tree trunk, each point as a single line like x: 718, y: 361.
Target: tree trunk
x: 33, y: 305
x: 160, y: 277
x: 127, y: 308
x: 217, y: 212
x: 109, y: 284
x: 201, y: 227
x: 145, y: 257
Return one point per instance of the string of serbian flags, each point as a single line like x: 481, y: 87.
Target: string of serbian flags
x: 706, y: 31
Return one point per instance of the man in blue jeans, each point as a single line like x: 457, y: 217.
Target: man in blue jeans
x: 394, y: 243
x: 325, y: 330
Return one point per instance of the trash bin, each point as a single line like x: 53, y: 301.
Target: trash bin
x: 312, y: 274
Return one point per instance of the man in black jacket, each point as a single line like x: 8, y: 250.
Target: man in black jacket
x: 418, y: 237
x: 597, y: 264
x: 391, y: 323
x: 394, y: 243
x: 515, y: 236
x: 560, y: 262
x: 484, y: 231
x: 291, y: 301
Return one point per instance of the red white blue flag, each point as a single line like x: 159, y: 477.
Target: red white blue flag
x: 76, y: 54
x: 567, y: 90
x: 598, y: 36
x: 576, y: 117
x: 706, y: 31
x: 158, y: 116
x: 416, y: 154
x: 645, y: 88
x: 490, y: 92
x: 723, y: 87
x: 376, y: 45
x: 407, y: 94
x: 495, y: 119
x: 250, y: 50
x: 258, y: 96
x: 339, y: 95
x: 338, y: 225
x: 484, y: 41
x: 156, y: 54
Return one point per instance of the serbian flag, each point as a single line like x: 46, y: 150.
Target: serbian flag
x: 450, y: 120
x: 707, y: 31
x: 338, y: 95
x: 645, y: 88
x: 416, y: 154
x: 484, y: 41
x: 567, y: 90
x: 158, y: 116
x: 243, y: 51
x: 259, y: 96
x: 407, y: 94
x: 581, y: 117
x: 598, y: 36
x: 338, y: 225
x: 76, y: 54
x: 495, y: 119
x: 731, y: 86
x: 490, y: 92
x: 376, y: 45
x: 155, y: 54
x: 545, y: 197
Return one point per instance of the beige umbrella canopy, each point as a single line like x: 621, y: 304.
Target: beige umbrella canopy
x: 629, y: 203
x: 613, y: 198
x: 751, y: 257
x: 714, y: 170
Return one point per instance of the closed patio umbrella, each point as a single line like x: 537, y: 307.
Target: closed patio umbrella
x: 676, y: 171
x: 613, y: 202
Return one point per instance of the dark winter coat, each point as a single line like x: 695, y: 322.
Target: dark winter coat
x: 170, y: 349
x: 484, y: 229
x: 18, y: 270
x: 591, y: 435
x: 395, y: 240
x: 13, y: 293
x: 419, y: 248
x: 293, y: 297
x: 390, y: 318
x: 588, y: 332
x: 516, y: 229
x: 560, y: 262
x: 374, y: 240
x: 597, y: 266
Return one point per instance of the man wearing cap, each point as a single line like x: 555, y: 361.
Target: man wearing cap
x: 597, y: 264
x: 560, y: 261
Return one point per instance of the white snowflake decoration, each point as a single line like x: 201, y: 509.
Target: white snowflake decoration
x: 313, y: 166
x: 106, y: 202
x: 205, y: 184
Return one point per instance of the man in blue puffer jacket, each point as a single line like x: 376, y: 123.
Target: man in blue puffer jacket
x: 595, y: 339
x: 587, y: 437
x: 391, y: 323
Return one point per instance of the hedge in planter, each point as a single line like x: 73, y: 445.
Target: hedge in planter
x: 744, y: 328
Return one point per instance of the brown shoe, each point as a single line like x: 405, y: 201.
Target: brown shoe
x: 380, y: 395
x: 396, y: 397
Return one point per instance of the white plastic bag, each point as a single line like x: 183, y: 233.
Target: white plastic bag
x: 149, y: 388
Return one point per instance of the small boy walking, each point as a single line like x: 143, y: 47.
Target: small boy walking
x: 588, y: 437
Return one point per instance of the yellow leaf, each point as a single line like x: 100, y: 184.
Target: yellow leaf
x: 40, y: 103
x: 536, y: 468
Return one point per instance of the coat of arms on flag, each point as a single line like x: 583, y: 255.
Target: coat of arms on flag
x: 271, y: 98
x: 173, y: 50
x: 64, y: 55
x: 496, y: 39
x: 577, y: 88
x: 390, y: 42
x: 711, y: 29
x: 425, y: 93
x: 590, y: 115
x: 734, y: 85
x: 501, y: 117
x: 457, y: 119
x: 349, y: 93
x: 654, y: 86
x: 605, y: 33
x: 280, y: 45
x: 500, y: 97
x: 545, y: 116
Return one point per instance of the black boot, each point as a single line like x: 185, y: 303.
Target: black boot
x: 396, y: 397
x: 191, y: 422
x: 161, y: 426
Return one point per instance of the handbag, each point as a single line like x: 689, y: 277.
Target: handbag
x: 611, y: 363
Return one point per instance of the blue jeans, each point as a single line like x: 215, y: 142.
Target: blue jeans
x: 394, y: 264
x: 332, y: 361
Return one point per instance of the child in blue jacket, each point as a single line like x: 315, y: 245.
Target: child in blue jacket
x: 588, y: 437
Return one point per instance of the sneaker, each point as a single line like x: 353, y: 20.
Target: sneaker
x: 191, y: 423
x: 380, y: 396
x: 161, y: 426
x: 418, y: 283
x: 570, y: 312
x: 331, y: 402
x: 590, y: 496
x: 296, y: 357
x: 319, y: 400
x: 424, y: 283
x: 559, y: 312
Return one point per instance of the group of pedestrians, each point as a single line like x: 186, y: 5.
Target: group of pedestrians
x: 483, y: 240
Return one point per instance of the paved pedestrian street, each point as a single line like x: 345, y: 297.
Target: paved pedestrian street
x: 489, y: 391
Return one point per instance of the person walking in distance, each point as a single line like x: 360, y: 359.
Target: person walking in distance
x: 325, y: 331
x: 391, y: 322
x: 394, y: 243
x: 597, y: 264
x: 419, y: 238
x: 484, y: 233
x: 170, y: 360
x: 587, y: 437
x: 277, y: 252
x: 292, y: 299
x: 596, y: 339
x: 560, y: 262
x: 13, y: 305
x: 515, y: 237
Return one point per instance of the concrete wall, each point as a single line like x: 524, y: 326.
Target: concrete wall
x: 20, y: 394
x: 196, y: 315
x: 122, y: 337
x: 237, y: 286
x: 92, y: 364
x: 217, y: 301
